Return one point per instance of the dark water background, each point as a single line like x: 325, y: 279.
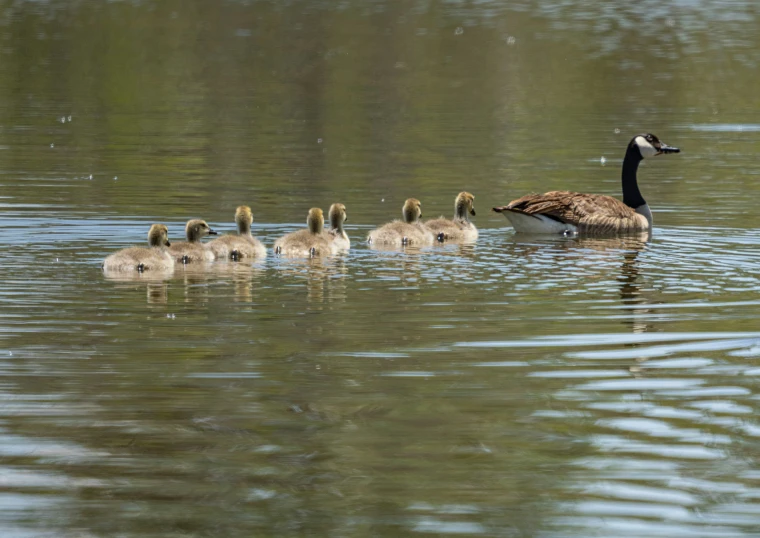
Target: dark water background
x: 519, y: 387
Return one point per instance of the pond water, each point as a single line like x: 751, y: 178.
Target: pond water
x: 521, y: 386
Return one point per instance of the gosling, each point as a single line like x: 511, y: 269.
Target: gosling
x: 140, y: 259
x: 307, y: 243
x: 242, y: 245
x: 338, y: 235
x: 192, y: 250
x: 458, y: 229
x: 410, y: 231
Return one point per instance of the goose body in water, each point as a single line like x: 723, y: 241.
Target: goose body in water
x: 307, y: 243
x: 242, y: 245
x: 140, y: 259
x: 459, y: 228
x: 192, y: 250
x: 410, y: 231
x: 573, y: 212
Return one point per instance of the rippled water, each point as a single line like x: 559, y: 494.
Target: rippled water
x: 520, y: 386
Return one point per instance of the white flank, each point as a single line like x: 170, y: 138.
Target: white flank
x: 537, y: 224
x: 645, y: 212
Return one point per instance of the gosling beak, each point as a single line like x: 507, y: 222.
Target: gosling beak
x: 211, y: 232
x: 168, y: 244
x: 472, y: 211
x: 664, y: 148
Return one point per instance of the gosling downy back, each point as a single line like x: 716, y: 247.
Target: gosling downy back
x: 311, y: 242
x: 338, y: 216
x: 140, y: 259
x: 410, y: 231
x: 192, y: 250
x: 458, y: 229
x: 242, y: 245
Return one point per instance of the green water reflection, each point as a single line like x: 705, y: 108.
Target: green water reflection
x: 515, y: 387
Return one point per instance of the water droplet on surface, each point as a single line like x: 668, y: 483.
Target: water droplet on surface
x: 319, y: 140
x: 69, y: 118
x: 382, y: 199
x: 63, y: 119
x: 670, y: 23
x: 511, y: 40
x: 115, y: 178
x: 617, y: 131
x: 52, y: 145
x: 459, y: 31
x: 603, y: 160
x: 90, y: 177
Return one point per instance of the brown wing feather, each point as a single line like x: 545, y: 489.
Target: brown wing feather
x: 589, y: 212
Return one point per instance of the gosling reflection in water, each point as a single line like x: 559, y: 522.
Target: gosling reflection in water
x: 197, y: 280
x: 325, y: 278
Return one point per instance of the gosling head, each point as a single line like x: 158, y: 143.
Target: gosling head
x: 338, y: 216
x: 243, y: 219
x: 412, y: 210
x: 316, y: 220
x: 158, y: 236
x: 648, y: 145
x: 196, y: 229
x: 464, y: 204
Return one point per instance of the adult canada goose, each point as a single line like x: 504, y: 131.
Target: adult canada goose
x: 459, y: 228
x: 192, y: 250
x: 565, y: 211
x: 306, y: 243
x: 410, y: 231
x: 242, y: 245
x: 338, y: 235
x: 141, y: 259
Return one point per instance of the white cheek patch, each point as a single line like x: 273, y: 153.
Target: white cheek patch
x: 646, y: 149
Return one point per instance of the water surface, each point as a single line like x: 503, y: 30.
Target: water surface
x: 521, y: 386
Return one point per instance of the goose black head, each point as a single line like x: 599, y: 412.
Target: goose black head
x: 648, y: 145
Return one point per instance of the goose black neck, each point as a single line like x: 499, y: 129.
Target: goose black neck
x: 631, y: 193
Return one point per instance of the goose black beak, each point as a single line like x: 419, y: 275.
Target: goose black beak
x: 472, y: 211
x: 168, y: 244
x: 212, y: 232
x: 664, y: 148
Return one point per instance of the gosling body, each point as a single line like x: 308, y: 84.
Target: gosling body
x: 458, y: 229
x: 337, y: 234
x: 140, y: 259
x: 192, y: 250
x: 311, y: 242
x: 242, y: 245
x: 409, y: 231
x: 591, y: 214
